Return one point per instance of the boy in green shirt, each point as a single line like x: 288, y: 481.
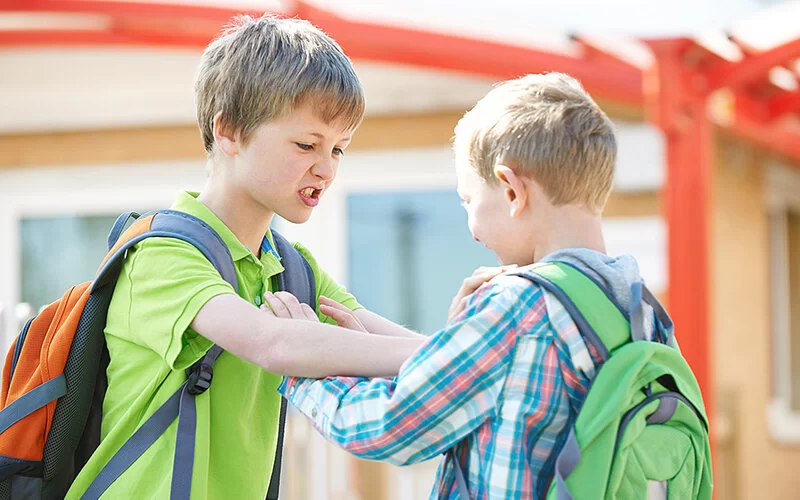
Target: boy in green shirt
x: 277, y: 104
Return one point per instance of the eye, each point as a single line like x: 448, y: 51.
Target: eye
x: 305, y: 147
x: 337, y: 152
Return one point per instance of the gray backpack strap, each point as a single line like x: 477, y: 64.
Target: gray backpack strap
x: 461, y: 480
x: 170, y: 224
x: 297, y: 278
x: 181, y: 405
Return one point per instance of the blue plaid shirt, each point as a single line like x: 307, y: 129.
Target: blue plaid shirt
x: 502, y: 383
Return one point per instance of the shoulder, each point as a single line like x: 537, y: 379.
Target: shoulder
x: 171, y: 261
x: 163, y: 248
x: 511, y: 288
x: 508, y: 296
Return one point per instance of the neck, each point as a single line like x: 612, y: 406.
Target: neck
x: 571, y: 226
x: 247, y: 220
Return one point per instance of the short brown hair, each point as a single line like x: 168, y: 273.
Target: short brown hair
x: 261, y: 69
x: 545, y: 126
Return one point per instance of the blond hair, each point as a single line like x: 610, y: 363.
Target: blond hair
x: 547, y: 127
x: 262, y: 69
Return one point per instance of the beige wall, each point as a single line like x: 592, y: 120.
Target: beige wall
x: 183, y: 142
x: 748, y: 463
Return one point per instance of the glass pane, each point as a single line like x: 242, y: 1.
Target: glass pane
x: 793, y: 259
x: 59, y: 252
x: 408, y: 253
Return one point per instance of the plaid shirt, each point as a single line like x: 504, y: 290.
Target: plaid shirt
x: 502, y: 383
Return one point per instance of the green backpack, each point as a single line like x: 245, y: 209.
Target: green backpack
x: 642, y: 431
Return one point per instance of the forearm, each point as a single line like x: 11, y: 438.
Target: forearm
x: 298, y: 347
x: 379, y: 325
x: 316, y: 350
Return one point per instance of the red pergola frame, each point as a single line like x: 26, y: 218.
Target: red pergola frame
x: 674, y: 94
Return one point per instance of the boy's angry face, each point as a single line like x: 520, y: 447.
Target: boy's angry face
x: 288, y: 163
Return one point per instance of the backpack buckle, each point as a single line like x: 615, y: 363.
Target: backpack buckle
x: 199, y: 378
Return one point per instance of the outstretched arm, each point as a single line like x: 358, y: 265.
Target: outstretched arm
x: 379, y: 325
x: 297, y: 347
x: 375, y: 323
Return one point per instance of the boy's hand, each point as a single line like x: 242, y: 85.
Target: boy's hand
x: 343, y: 316
x: 286, y: 305
x: 470, y: 284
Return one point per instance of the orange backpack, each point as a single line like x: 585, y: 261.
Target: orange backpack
x: 54, y: 378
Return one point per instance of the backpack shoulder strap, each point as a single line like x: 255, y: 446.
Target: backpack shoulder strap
x: 170, y: 224
x: 599, y: 321
x: 182, y: 226
x: 297, y: 277
x: 598, y: 318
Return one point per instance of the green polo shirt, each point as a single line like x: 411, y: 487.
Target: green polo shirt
x: 163, y: 284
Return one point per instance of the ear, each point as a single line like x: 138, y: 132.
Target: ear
x: 227, y: 141
x: 514, y: 188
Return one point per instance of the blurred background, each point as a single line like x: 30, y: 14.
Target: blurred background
x: 97, y: 118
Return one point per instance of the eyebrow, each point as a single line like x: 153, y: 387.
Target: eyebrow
x: 322, y: 137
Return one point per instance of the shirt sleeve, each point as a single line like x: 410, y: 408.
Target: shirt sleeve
x: 327, y: 286
x: 445, y: 391
x: 163, y: 285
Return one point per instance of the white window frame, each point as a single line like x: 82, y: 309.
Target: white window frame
x: 783, y: 194
x: 79, y: 191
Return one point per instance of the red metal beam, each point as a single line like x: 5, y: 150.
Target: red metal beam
x: 95, y: 38
x: 788, y: 102
x: 679, y: 109
x: 128, y: 8
x: 605, y: 78
x: 753, y: 67
x: 360, y: 40
x: 772, y: 137
x: 594, y: 52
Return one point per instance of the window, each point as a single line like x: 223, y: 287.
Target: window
x: 59, y: 252
x: 784, y: 197
x: 408, y: 254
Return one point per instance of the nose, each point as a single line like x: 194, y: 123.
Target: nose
x: 325, y: 169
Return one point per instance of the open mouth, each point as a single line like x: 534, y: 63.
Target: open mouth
x: 310, y: 196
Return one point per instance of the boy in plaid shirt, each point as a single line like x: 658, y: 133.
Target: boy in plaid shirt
x: 504, y: 380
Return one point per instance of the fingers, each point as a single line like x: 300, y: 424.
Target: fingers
x: 332, y: 304
x: 482, y: 270
x: 309, y: 313
x: 457, y: 308
x: 285, y: 305
x: 343, y: 316
x: 277, y: 306
x: 470, y: 284
x: 493, y: 270
x: 480, y: 276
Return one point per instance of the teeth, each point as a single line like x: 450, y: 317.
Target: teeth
x: 307, y: 192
